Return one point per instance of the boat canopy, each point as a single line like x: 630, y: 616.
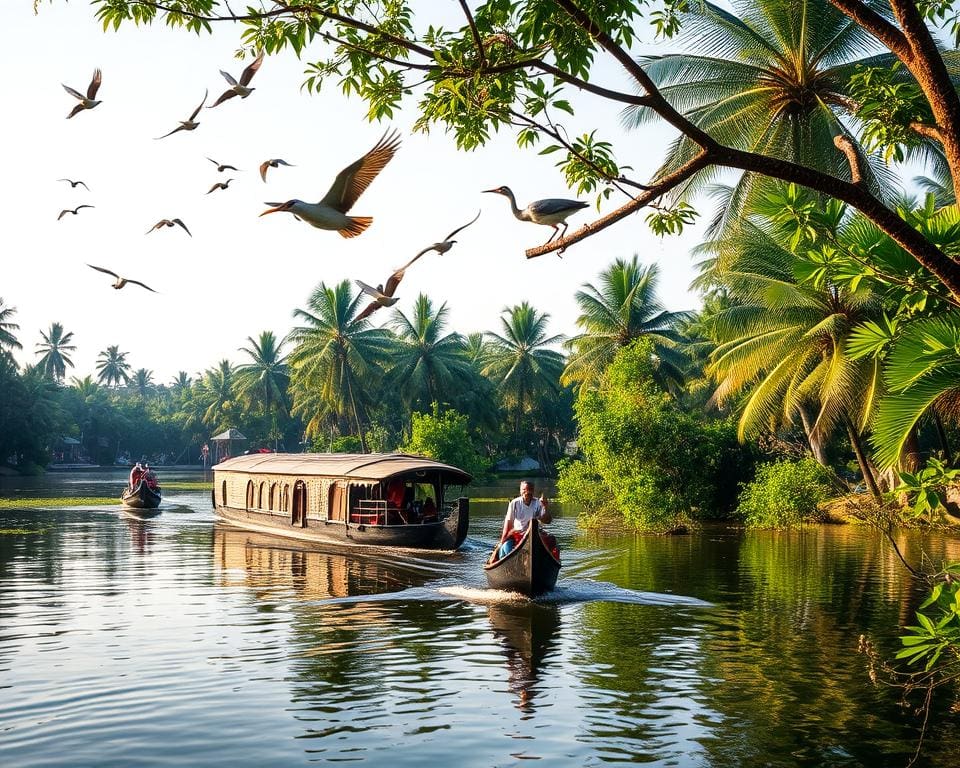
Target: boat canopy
x: 355, y: 466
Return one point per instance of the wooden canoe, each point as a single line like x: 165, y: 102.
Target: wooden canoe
x: 143, y: 497
x: 530, y: 568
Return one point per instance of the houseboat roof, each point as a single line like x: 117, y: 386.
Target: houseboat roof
x: 360, y: 466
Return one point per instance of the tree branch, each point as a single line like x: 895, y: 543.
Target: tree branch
x: 845, y: 144
x: 554, y: 134
x: 925, y: 129
x: 475, y: 32
x: 876, y: 25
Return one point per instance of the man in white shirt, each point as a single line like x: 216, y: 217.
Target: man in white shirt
x: 523, y: 509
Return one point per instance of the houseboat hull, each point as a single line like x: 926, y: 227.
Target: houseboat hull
x: 351, y: 500
x: 449, y: 534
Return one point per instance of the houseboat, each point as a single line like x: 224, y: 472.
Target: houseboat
x: 377, y: 500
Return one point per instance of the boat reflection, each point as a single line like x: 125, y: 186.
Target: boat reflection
x: 528, y: 632
x: 266, y: 562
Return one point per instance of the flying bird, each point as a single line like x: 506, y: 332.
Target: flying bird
x: 73, y: 183
x: 65, y: 211
x: 239, y: 89
x: 121, y: 281
x: 550, y: 211
x: 446, y: 244
x: 169, y: 223
x: 221, y: 167
x: 382, y: 295
x: 189, y: 124
x: 331, y: 212
x: 220, y: 185
x: 271, y: 164
x: 90, y: 100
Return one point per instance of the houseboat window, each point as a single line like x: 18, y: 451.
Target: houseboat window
x: 223, y: 493
x: 250, y: 491
x: 285, y: 499
x: 273, y: 495
x: 262, y: 497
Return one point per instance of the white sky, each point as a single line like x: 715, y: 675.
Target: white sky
x: 239, y: 274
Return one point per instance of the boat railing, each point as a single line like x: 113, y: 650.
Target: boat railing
x: 369, y: 512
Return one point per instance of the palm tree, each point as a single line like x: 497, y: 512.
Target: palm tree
x: 142, y: 380
x: 782, y: 343
x: 771, y: 77
x: 216, y: 396
x: 337, y: 359
x: 520, y: 361
x: 427, y: 366
x: 113, y: 367
x: 53, y: 352
x: 7, y: 339
x: 266, y: 379
x: 623, y: 308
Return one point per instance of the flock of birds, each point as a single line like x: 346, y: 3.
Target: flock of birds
x: 332, y: 211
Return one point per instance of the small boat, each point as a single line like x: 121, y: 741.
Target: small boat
x: 142, y: 498
x: 530, y: 568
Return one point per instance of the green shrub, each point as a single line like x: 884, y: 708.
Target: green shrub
x: 659, y: 467
x: 445, y: 437
x: 784, y: 494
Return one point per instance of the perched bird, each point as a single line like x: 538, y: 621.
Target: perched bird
x: 382, y: 295
x: 90, y: 100
x: 169, y: 223
x: 189, y: 124
x: 121, y: 281
x: 220, y: 185
x: 221, y: 167
x: 551, y: 211
x: 446, y: 244
x: 73, y: 183
x: 72, y: 210
x: 331, y: 212
x: 271, y: 164
x: 239, y: 89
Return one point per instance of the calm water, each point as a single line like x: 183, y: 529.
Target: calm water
x: 177, y: 641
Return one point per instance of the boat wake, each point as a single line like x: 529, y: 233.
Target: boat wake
x: 570, y: 591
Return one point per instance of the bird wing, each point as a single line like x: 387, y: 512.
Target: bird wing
x: 84, y: 185
x: 76, y: 111
x: 63, y: 213
x: 178, y: 128
x: 75, y: 94
x: 459, y: 229
x: 369, y: 289
x: 367, y: 311
x: 263, y: 169
x: 214, y: 162
x: 393, y: 281
x: 228, y: 168
x: 82, y: 206
x: 94, y: 84
x: 177, y: 221
x: 228, y: 77
x: 197, y: 110
x: 105, y: 271
x: 251, y: 70
x: 223, y: 97
x: 555, y: 205
x: 356, y: 177
x: 218, y: 185
x: 142, y: 285
x: 425, y: 250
